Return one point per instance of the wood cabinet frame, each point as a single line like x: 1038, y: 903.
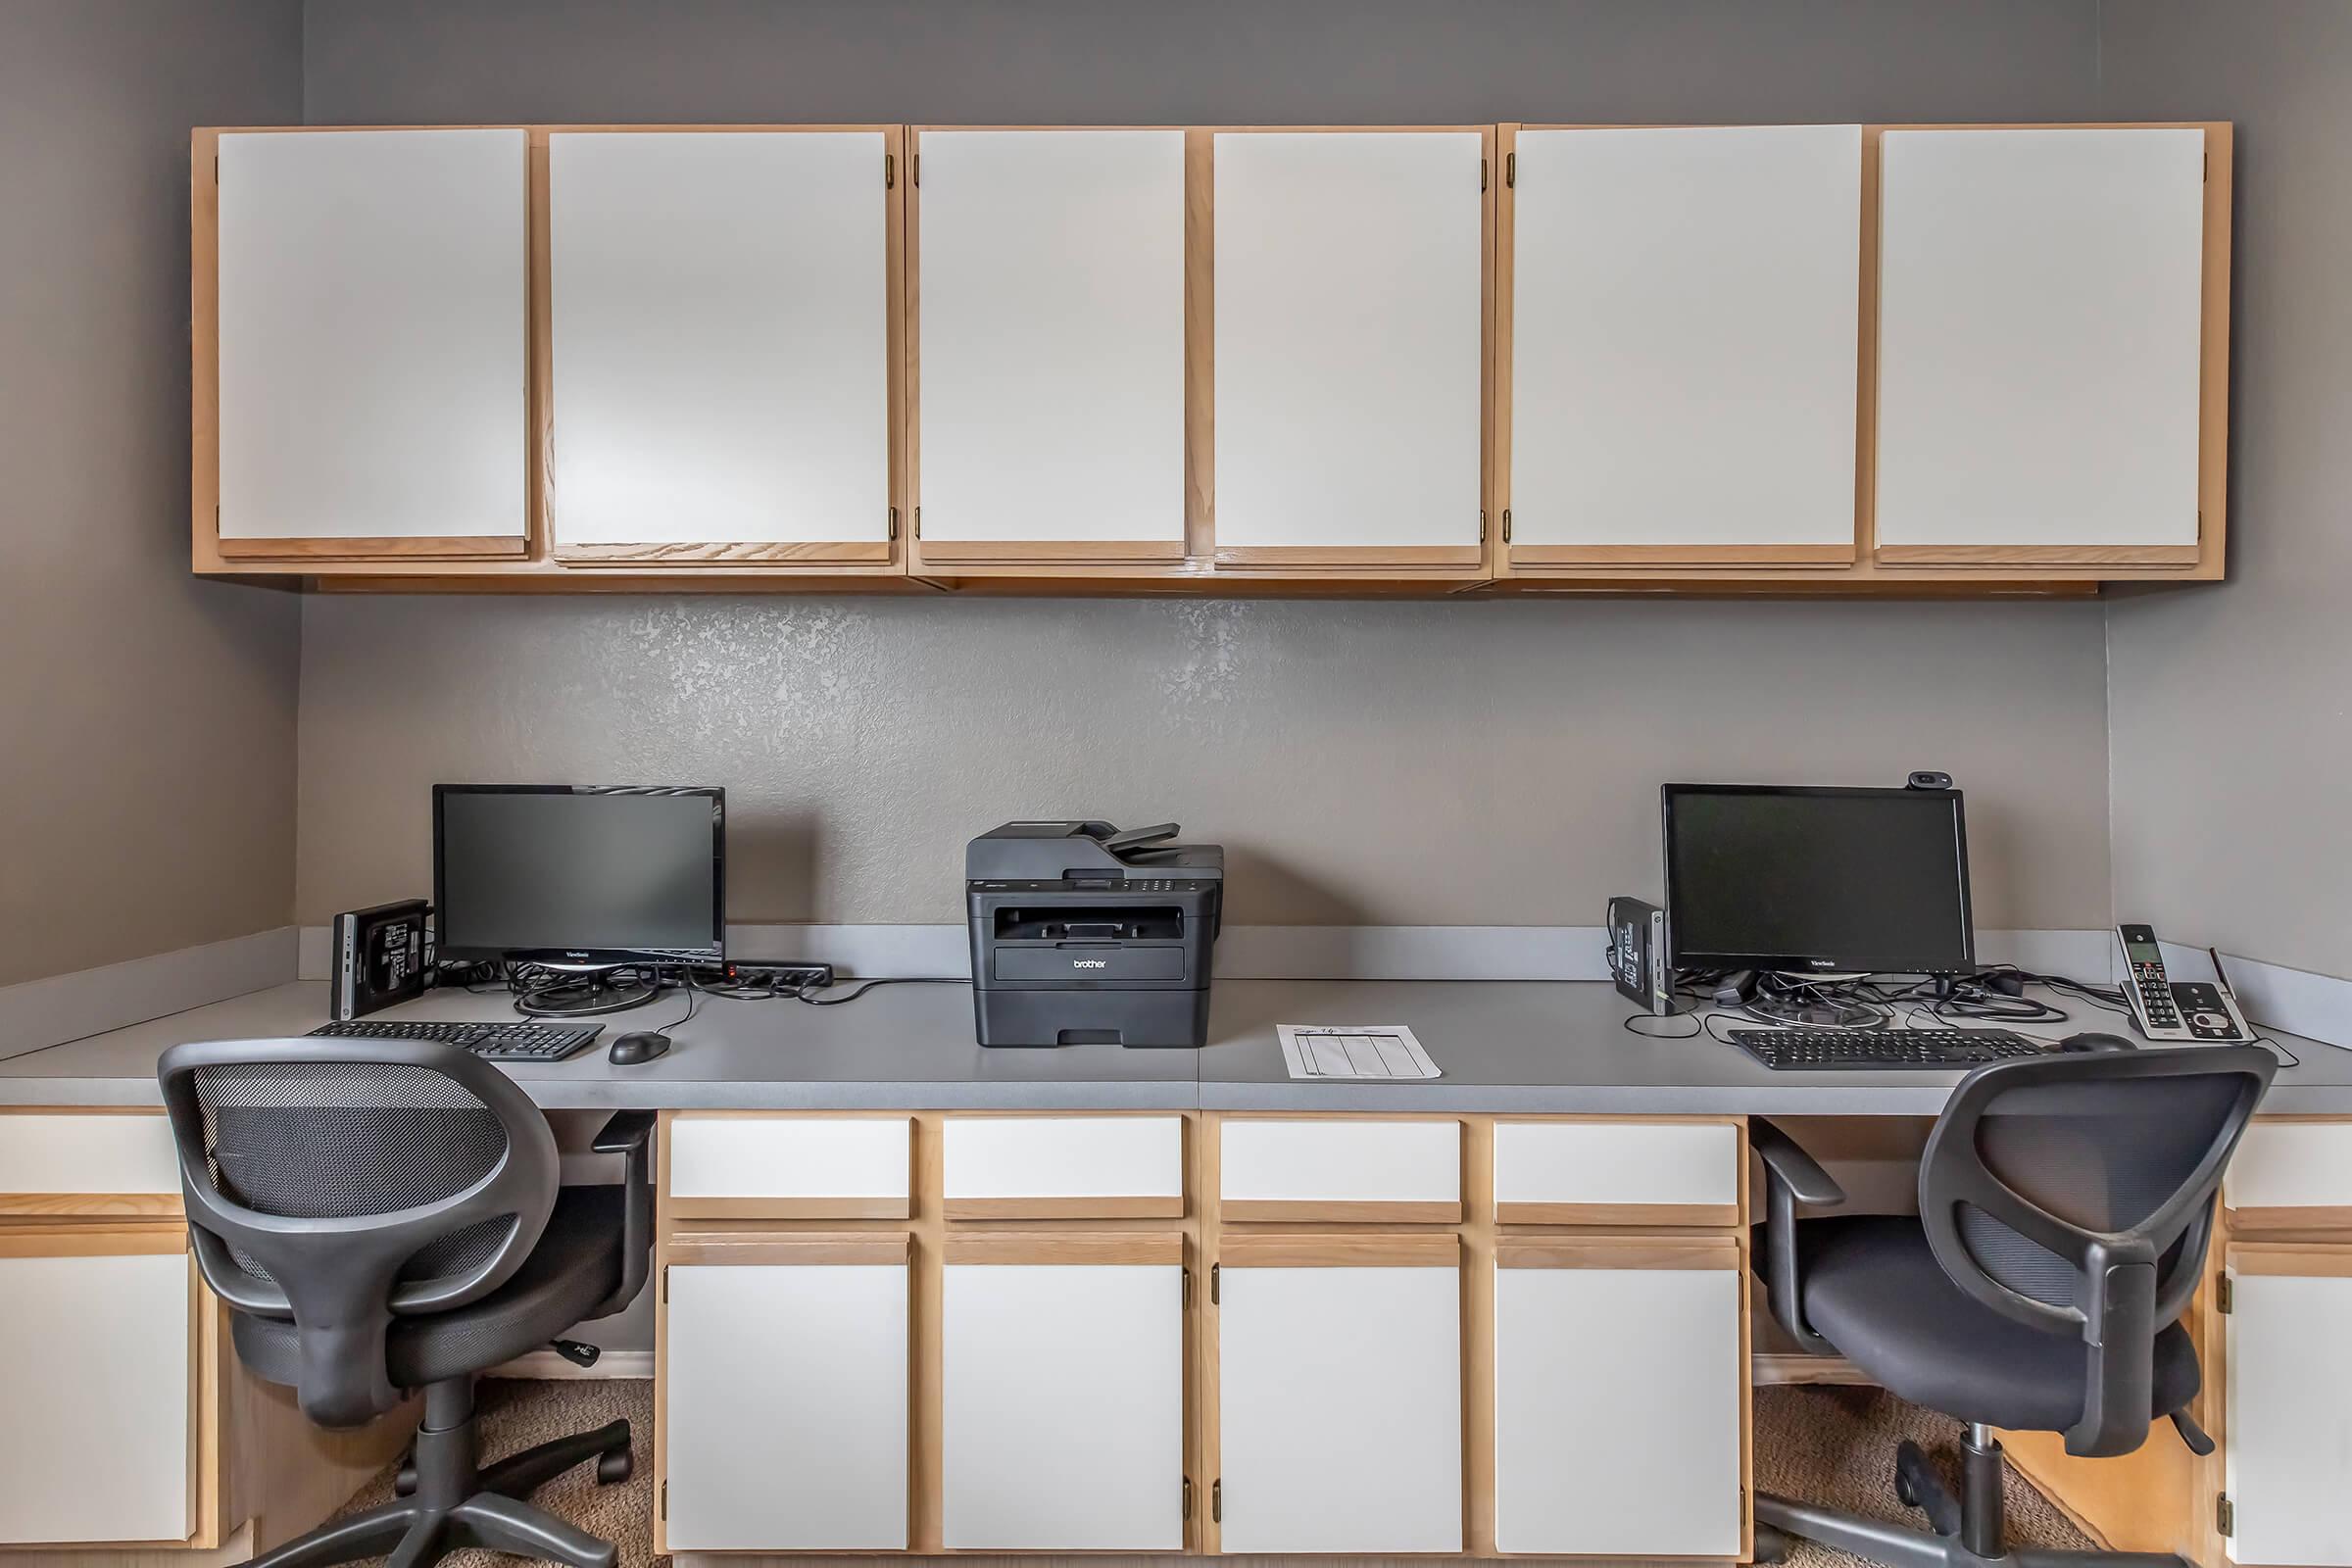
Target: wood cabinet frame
x: 2201, y: 561
x: 1014, y: 554
x: 213, y: 553
x: 815, y: 554
x: 1200, y: 568
x: 1455, y: 562
x: 1508, y: 559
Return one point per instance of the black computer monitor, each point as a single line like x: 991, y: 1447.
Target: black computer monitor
x: 579, y: 874
x: 1817, y: 880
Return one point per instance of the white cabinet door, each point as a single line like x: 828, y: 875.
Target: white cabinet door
x: 1051, y: 342
x: 1339, y: 1409
x: 719, y: 333
x: 94, y: 1371
x: 2040, y: 336
x: 1350, y: 290
x: 1619, y: 1387
x: 2289, y: 1425
x: 784, y: 1401
x: 372, y: 362
x: 1684, y: 320
x: 1062, y: 1397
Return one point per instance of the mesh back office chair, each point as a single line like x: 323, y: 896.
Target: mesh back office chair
x: 385, y: 1216
x: 2065, y: 1204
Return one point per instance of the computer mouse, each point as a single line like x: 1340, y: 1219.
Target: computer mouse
x: 636, y: 1049
x: 2087, y: 1042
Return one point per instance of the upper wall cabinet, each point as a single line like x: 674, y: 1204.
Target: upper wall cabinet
x: 360, y: 343
x: 1047, y: 291
x: 2052, y: 356
x: 1349, y: 372
x: 1681, y: 344
x: 721, y: 340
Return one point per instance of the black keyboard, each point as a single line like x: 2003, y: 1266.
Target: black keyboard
x: 1862, y: 1050
x: 492, y: 1042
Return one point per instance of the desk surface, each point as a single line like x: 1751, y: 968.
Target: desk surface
x: 1505, y: 1046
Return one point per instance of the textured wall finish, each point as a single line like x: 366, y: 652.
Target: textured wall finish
x: 2240, y: 837
x: 1364, y: 764
x: 146, y: 718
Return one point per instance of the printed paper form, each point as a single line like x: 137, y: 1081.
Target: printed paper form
x: 1355, y: 1052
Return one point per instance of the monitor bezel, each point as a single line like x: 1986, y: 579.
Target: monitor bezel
x: 1819, y: 963
x: 588, y: 957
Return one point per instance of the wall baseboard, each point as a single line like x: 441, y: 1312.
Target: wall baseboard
x: 1308, y: 952
x: 35, y: 1014
x: 548, y: 1366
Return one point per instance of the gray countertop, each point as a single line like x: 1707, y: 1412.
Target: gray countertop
x: 1513, y: 1045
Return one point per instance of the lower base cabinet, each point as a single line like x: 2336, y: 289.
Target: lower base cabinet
x: 784, y: 1394
x: 96, y: 1341
x: 1619, y: 1398
x: 2288, y: 1438
x: 1062, y: 1393
x: 1340, y: 1397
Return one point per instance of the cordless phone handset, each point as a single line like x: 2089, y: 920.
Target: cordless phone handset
x: 2167, y: 1009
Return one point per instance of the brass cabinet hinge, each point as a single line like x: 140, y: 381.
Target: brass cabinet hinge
x: 894, y: 523
x: 890, y: 173
x: 914, y: 170
x: 665, y: 1499
x: 665, y: 1285
x: 1188, y: 1497
x: 1510, y: 170
x: 1482, y: 173
x: 2225, y: 1517
x: 1482, y: 525
x: 1186, y: 1275
x: 1216, y: 1501
x: 1213, y: 1299
x: 1507, y: 525
x: 2225, y: 1296
x: 918, y: 522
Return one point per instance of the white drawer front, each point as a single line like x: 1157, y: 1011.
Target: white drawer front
x: 1616, y: 1163
x: 1064, y: 1156
x: 2287, y: 1164
x: 1342, y: 1161
x: 87, y: 1154
x: 789, y: 1156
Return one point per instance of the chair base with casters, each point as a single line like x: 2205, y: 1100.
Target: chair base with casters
x: 448, y: 1501
x: 1967, y: 1528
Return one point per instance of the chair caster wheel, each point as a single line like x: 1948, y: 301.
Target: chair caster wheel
x: 1771, y: 1545
x: 614, y: 1467
x: 404, y: 1480
x: 1906, y: 1456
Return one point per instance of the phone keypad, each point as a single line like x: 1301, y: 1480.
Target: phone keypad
x: 2155, y: 997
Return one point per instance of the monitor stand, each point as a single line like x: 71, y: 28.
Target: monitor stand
x: 1811, y: 1002
x: 588, y: 994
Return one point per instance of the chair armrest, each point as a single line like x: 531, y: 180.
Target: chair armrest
x: 630, y: 1132
x: 1787, y: 1164
x: 1791, y: 1177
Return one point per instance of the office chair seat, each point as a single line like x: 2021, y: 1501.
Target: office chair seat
x: 577, y: 1264
x: 1873, y: 1288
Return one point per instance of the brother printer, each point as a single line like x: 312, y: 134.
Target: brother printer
x: 1082, y: 934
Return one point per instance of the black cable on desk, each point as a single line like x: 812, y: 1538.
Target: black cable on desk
x: 864, y: 986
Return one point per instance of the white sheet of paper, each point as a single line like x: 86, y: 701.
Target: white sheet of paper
x: 1355, y: 1052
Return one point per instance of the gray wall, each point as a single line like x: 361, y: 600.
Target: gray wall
x: 146, y: 718
x: 1384, y: 763
x: 2241, y: 837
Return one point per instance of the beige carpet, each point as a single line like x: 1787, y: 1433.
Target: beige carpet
x: 1831, y: 1445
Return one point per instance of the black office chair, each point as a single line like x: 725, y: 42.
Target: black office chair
x: 2064, y: 1204
x: 384, y: 1216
